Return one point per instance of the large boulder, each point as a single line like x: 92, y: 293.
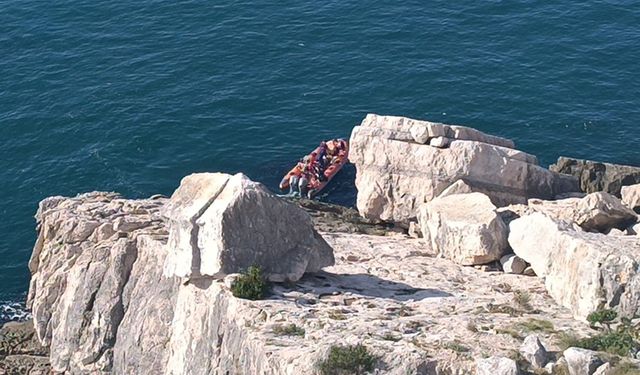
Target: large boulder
x: 396, y: 174
x: 583, y: 271
x: 595, y: 176
x: 464, y: 228
x: 221, y: 224
x: 631, y: 197
x: 596, y: 212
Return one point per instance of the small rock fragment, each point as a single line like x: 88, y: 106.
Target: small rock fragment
x: 511, y: 263
x: 440, y: 142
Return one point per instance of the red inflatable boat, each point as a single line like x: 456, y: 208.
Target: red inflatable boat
x: 317, y: 168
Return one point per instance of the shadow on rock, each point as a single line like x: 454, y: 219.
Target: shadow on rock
x: 325, y: 283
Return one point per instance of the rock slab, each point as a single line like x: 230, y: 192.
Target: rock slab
x: 582, y: 271
x: 396, y: 174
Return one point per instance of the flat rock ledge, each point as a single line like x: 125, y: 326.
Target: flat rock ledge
x: 102, y: 304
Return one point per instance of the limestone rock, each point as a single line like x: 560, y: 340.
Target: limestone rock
x: 582, y: 271
x: 420, y: 134
x: 595, y: 212
x: 440, y: 142
x: 395, y: 175
x: 512, y: 263
x: 603, y: 370
x: 595, y: 176
x: 464, y: 228
x: 602, y: 211
x: 497, y: 366
x: 631, y: 197
x: 582, y: 361
x: 616, y: 232
x: 534, y: 352
x: 238, y: 225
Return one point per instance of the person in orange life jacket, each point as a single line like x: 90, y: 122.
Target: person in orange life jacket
x: 301, y: 182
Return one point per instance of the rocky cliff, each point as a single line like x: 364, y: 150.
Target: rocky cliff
x: 103, y: 305
x: 125, y: 286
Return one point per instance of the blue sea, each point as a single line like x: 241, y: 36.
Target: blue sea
x: 130, y: 96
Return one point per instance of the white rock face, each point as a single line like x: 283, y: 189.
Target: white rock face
x: 582, y: 271
x: 497, y: 366
x: 464, y: 228
x: 83, y: 266
x: 582, y: 361
x: 233, y: 223
x: 631, y: 196
x: 512, y: 263
x: 395, y: 175
x: 534, y: 352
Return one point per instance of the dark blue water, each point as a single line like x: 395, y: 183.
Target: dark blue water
x: 132, y: 95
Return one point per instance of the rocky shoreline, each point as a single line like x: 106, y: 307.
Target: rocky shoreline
x: 145, y: 286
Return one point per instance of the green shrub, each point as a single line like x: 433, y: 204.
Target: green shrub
x: 622, y: 341
x: 602, y: 317
x: 250, y: 285
x: 619, y: 342
x: 347, y: 360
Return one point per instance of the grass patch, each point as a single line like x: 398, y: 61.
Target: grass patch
x: 289, y: 330
x: 251, y: 285
x: 337, y: 315
x: 391, y: 337
x: 347, y: 360
x: 625, y: 368
x: 456, y: 347
x: 536, y: 325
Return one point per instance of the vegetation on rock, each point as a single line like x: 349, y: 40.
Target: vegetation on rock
x: 624, y: 340
x: 251, y: 284
x: 343, y: 360
x: 289, y: 330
